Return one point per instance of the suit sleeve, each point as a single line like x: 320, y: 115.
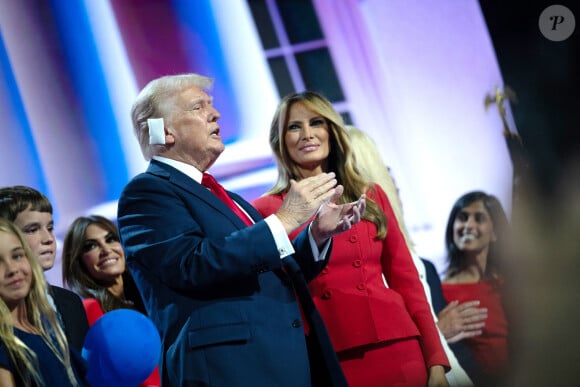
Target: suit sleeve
x: 268, y: 205
x: 402, y: 276
x: 185, y: 242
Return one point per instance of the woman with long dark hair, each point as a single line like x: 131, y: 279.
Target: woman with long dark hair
x: 476, y: 230
x: 93, y: 266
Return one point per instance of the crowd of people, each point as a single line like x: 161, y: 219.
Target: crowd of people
x: 315, y: 283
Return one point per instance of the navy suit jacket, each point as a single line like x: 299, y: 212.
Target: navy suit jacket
x: 214, y: 287
x: 72, y: 315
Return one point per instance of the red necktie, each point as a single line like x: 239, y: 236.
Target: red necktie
x: 219, y: 191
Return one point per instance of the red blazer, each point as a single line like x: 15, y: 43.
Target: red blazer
x: 350, y: 293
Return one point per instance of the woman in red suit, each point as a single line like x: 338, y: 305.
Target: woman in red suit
x: 476, y: 224
x: 369, y: 295
x: 93, y: 266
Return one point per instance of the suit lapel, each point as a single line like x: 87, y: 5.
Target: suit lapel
x: 185, y: 182
x: 254, y: 214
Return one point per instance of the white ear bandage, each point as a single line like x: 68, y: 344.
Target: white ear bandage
x: 156, y: 131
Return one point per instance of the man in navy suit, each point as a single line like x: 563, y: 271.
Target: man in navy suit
x: 221, y: 292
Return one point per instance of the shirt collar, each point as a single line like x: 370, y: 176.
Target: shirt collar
x: 187, y: 169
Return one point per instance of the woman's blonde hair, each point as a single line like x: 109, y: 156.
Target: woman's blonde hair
x: 372, y: 167
x: 40, y: 315
x: 340, y: 159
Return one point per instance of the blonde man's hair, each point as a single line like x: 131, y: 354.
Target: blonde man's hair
x: 155, y: 101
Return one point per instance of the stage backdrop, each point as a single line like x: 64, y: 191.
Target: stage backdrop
x: 413, y: 74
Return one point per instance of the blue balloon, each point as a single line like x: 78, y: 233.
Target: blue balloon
x: 122, y: 348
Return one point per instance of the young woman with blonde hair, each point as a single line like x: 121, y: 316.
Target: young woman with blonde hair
x: 33, y: 349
